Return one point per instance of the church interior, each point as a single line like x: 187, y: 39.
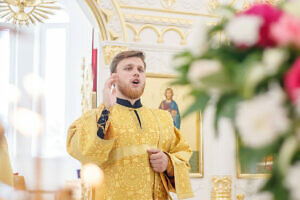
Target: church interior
x: 233, y: 79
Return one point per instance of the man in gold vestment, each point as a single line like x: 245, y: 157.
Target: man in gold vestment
x: 6, y: 174
x: 142, y: 154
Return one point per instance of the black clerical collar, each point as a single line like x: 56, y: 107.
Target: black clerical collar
x: 127, y: 103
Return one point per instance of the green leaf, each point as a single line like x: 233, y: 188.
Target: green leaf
x: 217, y: 80
x: 199, y: 104
x: 275, y: 184
x: 226, y: 107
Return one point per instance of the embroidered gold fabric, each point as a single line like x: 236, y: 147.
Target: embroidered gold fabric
x: 122, y: 154
x: 6, y: 174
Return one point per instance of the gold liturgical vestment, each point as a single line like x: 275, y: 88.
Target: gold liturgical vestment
x: 123, y: 157
x: 6, y: 174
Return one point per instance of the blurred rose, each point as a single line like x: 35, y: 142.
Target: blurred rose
x: 269, y: 14
x: 286, y: 31
x: 292, y: 81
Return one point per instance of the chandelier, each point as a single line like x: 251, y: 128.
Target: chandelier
x: 26, y: 11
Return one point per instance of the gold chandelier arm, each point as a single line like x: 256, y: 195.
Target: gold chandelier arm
x: 44, y: 11
x: 50, y: 7
x: 37, y: 18
x: 40, y: 14
x: 3, y: 10
x: 5, y: 14
x: 32, y: 20
x: 49, y: 2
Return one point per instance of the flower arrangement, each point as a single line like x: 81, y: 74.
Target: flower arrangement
x: 254, y: 79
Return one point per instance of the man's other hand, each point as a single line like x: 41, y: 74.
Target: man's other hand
x: 158, y: 160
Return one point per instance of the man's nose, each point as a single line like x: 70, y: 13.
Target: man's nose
x: 136, y: 72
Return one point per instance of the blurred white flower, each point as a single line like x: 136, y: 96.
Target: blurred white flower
x: 202, y: 68
x: 276, y: 93
x: 262, y: 120
x: 34, y: 84
x: 244, y: 30
x: 292, y: 181
x: 92, y: 174
x: 27, y: 122
x: 273, y: 59
x: 198, y: 38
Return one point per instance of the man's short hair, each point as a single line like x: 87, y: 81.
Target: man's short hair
x: 126, y: 54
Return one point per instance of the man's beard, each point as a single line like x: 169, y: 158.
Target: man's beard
x: 131, y: 93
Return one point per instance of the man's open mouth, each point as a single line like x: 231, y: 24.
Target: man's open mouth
x: 136, y: 81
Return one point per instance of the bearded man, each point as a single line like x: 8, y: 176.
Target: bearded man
x: 142, y: 154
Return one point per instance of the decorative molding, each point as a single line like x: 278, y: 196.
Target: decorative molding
x: 160, y: 33
x: 131, y: 17
x: 112, y: 19
x: 169, y: 11
x: 122, y: 21
x: 192, y: 5
x: 221, y: 189
x: 157, y: 75
x: 111, y: 51
x: 93, y: 5
x: 167, y: 4
x: 240, y: 197
x: 108, y: 16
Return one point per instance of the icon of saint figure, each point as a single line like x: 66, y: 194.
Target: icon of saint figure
x: 170, y: 105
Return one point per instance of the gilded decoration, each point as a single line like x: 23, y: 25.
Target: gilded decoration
x: 160, y: 33
x: 131, y: 17
x: 168, y: 11
x: 168, y: 4
x: 240, y: 197
x: 221, y: 188
x: 111, y: 51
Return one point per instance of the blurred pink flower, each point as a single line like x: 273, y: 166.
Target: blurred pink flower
x: 286, y: 31
x: 270, y: 15
x: 292, y: 81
